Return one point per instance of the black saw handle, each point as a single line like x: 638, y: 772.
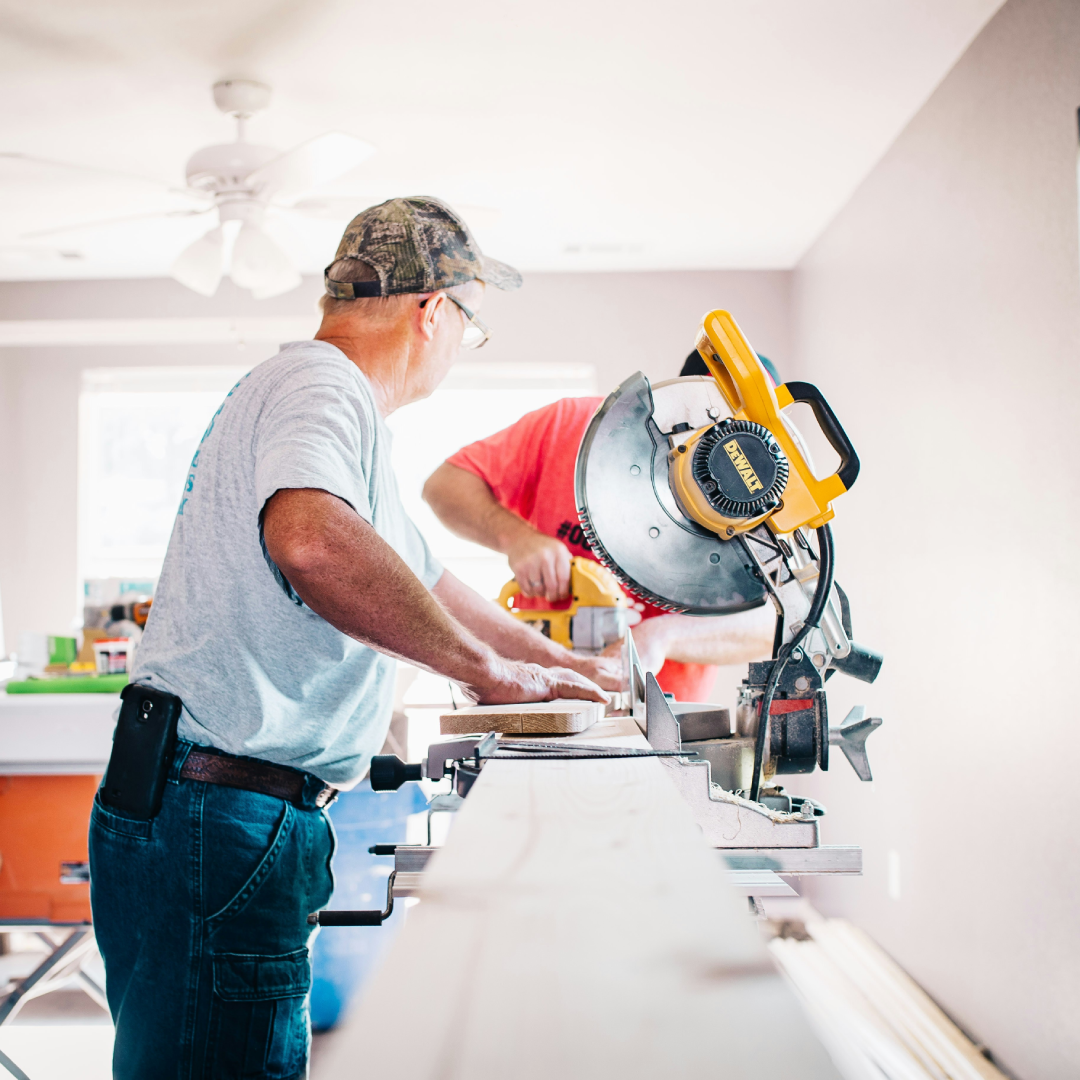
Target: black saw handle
x: 810, y: 395
x: 357, y: 918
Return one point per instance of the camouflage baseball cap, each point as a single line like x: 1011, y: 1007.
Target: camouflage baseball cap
x: 415, y: 245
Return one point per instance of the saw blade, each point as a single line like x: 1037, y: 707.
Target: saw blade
x: 630, y: 516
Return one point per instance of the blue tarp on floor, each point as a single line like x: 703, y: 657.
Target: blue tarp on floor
x: 343, y: 957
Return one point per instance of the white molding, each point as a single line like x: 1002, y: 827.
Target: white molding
x: 190, y: 331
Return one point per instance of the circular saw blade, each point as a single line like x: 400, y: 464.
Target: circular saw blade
x: 630, y: 515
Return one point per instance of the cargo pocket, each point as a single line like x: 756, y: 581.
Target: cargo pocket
x: 258, y: 1023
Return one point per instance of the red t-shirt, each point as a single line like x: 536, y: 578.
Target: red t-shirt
x: 529, y: 467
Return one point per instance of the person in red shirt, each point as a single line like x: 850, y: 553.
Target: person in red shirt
x: 514, y: 492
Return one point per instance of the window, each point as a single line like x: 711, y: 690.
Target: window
x: 140, y: 427
x: 138, y: 431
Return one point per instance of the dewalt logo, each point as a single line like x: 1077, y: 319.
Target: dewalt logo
x: 743, y: 466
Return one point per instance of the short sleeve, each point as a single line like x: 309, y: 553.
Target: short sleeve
x: 318, y: 434
x: 509, y: 461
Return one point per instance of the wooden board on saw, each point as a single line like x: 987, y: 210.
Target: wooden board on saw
x: 577, y: 925
x: 534, y: 718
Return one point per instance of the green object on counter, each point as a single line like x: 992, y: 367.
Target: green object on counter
x: 72, y: 684
x: 62, y: 650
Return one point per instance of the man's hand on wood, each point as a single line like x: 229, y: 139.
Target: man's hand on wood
x: 519, y: 682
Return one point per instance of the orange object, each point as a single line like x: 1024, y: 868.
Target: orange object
x: 44, y: 821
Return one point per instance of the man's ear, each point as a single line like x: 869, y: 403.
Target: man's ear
x: 431, y: 315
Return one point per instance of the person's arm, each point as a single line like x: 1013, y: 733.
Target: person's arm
x: 467, y: 507
x: 512, y: 638
x: 345, y: 572
x: 695, y: 639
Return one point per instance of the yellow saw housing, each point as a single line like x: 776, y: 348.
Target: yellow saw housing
x: 597, y: 614
x: 732, y: 476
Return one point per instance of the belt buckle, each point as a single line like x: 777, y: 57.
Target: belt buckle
x: 326, y: 797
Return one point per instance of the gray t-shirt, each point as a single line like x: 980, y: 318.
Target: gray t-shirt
x: 260, y: 674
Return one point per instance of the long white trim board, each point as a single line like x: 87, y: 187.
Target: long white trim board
x: 577, y: 925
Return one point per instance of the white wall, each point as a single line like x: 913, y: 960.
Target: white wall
x: 941, y: 313
x: 620, y: 322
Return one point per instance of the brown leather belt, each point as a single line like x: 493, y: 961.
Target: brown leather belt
x: 250, y: 775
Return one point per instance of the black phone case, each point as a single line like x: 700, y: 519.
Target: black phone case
x: 142, y: 751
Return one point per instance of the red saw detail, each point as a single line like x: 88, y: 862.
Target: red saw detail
x: 786, y: 705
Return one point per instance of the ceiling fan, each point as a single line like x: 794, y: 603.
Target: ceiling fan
x: 240, y: 182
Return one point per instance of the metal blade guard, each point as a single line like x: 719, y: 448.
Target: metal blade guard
x: 630, y: 516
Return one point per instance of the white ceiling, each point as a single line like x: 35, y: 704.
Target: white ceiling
x: 597, y: 135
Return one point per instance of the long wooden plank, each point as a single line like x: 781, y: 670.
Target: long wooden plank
x: 865, y: 1003
x: 534, y: 718
x: 577, y: 926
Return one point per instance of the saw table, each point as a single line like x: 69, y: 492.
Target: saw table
x: 576, y: 924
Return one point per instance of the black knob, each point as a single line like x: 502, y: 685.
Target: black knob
x: 389, y: 772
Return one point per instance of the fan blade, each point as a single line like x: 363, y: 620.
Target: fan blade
x: 318, y: 161
x: 14, y: 253
x: 112, y: 221
x: 199, y: 266
x: 260, y: 265
x: 30, y: 159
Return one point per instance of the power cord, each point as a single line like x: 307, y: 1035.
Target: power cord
x: 813, y: 619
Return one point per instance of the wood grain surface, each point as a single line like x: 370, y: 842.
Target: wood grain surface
x: 577, y: 926
x: 534, y: 718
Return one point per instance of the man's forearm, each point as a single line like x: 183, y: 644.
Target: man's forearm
x: 345, y: 572
x: 467, y: 507
x: 506, y: 635
x: 728, y: 639
x: 512, y: 638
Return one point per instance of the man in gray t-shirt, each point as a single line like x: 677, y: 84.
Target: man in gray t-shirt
x: 293, y: 580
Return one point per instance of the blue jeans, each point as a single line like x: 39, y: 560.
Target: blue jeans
x: 201, y: 918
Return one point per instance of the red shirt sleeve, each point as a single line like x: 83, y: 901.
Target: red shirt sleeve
x: 521, y: 462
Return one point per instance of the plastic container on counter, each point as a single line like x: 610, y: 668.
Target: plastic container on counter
x: 113, y: 655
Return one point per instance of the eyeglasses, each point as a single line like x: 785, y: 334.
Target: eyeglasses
x: 476, y: 330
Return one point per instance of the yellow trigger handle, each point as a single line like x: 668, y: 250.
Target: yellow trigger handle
x: 746, y: 387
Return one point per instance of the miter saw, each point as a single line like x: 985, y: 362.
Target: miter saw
x: 699, y: 495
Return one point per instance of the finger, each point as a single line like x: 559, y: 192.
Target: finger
x: 609, y: 680
x: 569, y: 683
x: 562, y: 573
x: 588, y: 693
x: 551, y: 578
x: 529, y: 576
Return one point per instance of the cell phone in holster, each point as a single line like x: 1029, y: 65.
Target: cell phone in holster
x: 142, y: 751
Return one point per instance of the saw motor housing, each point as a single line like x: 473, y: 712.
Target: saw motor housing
x: 751, y: 467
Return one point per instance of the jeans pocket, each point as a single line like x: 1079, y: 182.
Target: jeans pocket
x: 231, y: 849
x: 259, y: 1015
x: 119, y: 824
x: 332, y: 833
